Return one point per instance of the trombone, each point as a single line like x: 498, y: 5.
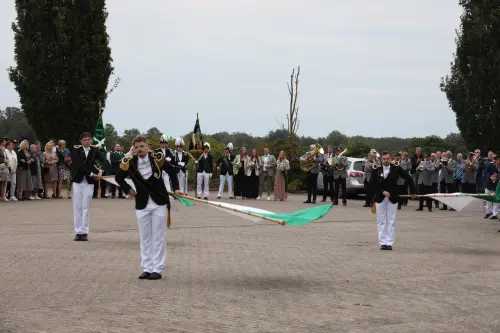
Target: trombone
x: 338, y: 166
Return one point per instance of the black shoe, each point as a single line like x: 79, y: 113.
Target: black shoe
x: 399, y: 207
x: 493, y: 218
x: 335, y: 203
x: 429, y: 209
x: 205, y: 198
x: 452, y: 210
x: 388, y: 247
x: 366, y: 205
x: 144, y: 276
x: 313, y: 202
x: 84, y: 237
x: 78, y: 238
x: 419, y: 209
x: 444, y: 208
x: 154, y: 276
x: 383, y: 247
x: 121, y: 197
x: 219, y: 197
x: 307, y: 201
x: 324, y: 200
x: 344, y: 204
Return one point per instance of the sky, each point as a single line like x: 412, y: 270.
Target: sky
x: 368, y: 67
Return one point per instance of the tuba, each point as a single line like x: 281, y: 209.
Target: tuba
x: 308, y: 160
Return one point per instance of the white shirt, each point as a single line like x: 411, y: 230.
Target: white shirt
x: 12, y: 156
x: 86, y: 151
x: 386, y: 170
x: 144, y: 167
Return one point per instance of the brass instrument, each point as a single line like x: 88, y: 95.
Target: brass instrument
x: 339, y: 166
x: 395, y: 163
x: 308, y: 160
x: 443, y: 161
x: 376, y: 166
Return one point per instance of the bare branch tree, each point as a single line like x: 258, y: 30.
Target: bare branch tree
x: 293, y: 115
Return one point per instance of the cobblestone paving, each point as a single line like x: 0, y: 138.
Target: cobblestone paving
x: 226, y: 274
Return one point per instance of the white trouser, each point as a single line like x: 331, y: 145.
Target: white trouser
x: 13, y: 182
x: 182, y: 177
x: 166, y: 180
x: 81, y: 196
x: 205, y: 177
x: 153, y: 235
x: 386, y: 217
x: 223, y: 179
x: 491, y: 208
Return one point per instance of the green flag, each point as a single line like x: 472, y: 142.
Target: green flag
x: 99, y: 139
x: 494, y: 198
x: 302, y: 217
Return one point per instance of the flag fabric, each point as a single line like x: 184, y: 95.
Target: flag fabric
x: 182, y: 201
x: 459, y: 201
x: 299, y: 218
x: 196, y: 142
x: 99, y: 138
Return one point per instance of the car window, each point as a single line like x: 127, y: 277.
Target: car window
x: 358, y: 166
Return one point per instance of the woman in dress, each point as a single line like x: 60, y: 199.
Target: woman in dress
x: 254, y: 166
x: 281, y: 179
x: 51, y: 175
x: 64, y: 157
x: 4, y: 170
x: 240, y: 163
x: 36, y: 172
x: 24, y: 180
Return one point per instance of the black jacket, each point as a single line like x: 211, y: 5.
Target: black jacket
x: 82, y: 167
x: 115, y: 158
x: 225, y: 165
x: 176, y: 160
x: 415, y: 162
x: 167, y: 154
x: 153, y: 187
x: 206, y: 164
x: 22, y: 160
x: 390, y: 184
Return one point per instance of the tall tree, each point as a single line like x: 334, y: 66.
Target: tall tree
x: 14, y: 125
x: 63, y: 65
x: 292, y: 118
x: 473, y: 86
x: 152, y: 132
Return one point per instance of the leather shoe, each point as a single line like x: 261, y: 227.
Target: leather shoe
x: 84, y: 238
x: 144, y: 276
x: 307, y: 201
x: 383, y: 247
x: 154, y: 276
x: 78, y: 238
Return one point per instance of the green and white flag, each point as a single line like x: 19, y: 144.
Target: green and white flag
x: 99, y: 138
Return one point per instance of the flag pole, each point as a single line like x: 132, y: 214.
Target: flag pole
x: 282, y: 222
x: 437, y: 195
x: 99, y: 180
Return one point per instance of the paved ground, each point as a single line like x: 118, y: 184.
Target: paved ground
x: 230, y: 275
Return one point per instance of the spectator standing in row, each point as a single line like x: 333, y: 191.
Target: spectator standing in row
x: 12, y: 157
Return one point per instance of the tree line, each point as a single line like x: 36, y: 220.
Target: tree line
x: 14, y: 124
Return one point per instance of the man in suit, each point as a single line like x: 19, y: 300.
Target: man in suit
x: 415, y: 162
x: 267, y: 173
x: 145, y: 169
x: 385, y: 185
x: 87, y: 166
x: 425, y: 170
x: 328, y: 177
x: 312, y: 177
x: 446, y: 180
x: 115, y: 160
x: 340, y: 176
x: 469, y: 174
x: 492, y: 172
x: 435, y: 160
x: 168, y: 157
x: 225, y: 167
x: 204, y: 172
x: 180, y: 161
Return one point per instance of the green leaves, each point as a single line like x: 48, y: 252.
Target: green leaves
x: 63, y: 65
x: 473, y: 86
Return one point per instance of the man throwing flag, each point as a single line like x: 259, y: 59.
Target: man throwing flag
x: 151, y: 202
x: 385, y: 184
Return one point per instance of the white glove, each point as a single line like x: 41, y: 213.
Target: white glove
x: 182, y: 163
x: 168, y: 159
x: 218, y: 168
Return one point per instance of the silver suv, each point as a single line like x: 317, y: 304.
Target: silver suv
x: 355, y: 179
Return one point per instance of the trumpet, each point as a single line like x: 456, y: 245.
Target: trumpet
x: 444, y: 161
x: 395, y: 163
x: 376, y: 166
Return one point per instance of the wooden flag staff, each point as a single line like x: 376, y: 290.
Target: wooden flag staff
x: 282, y: 222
